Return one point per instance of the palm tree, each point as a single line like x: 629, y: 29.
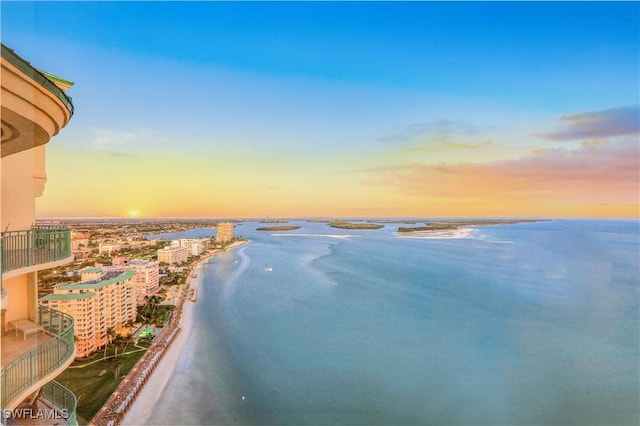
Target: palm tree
x: 127, y: 339
x: 147, y: 312
x: 117, y: 342
x: 111, y: 333
x: 130, y: 324
x: 116, y: 368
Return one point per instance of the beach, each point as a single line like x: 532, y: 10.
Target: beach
x: 144, y: 403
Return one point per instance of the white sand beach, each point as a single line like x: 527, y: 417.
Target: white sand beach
x: 141, y: 409
x: 144, y: 404
x: 438, y: 235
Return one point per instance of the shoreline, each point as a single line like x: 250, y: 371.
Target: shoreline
x: 462, y: 232
x: 139, y: 405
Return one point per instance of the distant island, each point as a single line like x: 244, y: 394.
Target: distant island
x: 277, y: 228
x: 453, y: 225
x: 349, y: 225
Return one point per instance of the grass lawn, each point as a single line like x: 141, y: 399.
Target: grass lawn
x: 91, y: 389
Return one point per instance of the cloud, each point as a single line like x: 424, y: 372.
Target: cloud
x: 441, y: 128
x: 600, y: 124
x: 118, y: 143
x: 453, y: 146
x: 593, y: 173
x: 394, y: 139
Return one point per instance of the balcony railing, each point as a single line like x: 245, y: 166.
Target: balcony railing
x: 34, y: 246
x: 62, y: 398
x: 34, y: 365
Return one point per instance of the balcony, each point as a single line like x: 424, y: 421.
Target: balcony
x: 31, y: 361
x: 56, y: 405
x: 34, y: 249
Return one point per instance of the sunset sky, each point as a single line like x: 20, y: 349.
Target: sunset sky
x: 358, y: 109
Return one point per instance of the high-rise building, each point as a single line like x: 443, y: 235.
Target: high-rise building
x: 147, y: 276
x: 225, y: 232
x: 172, y: 255
x: 194, y: 246
x: 37, y: 342
x: 108, y: 302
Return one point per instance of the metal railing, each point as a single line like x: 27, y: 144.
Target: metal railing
x: 34, y: 246
x: 29, y: 70
x: 62, y: 398
x: 32, y: 366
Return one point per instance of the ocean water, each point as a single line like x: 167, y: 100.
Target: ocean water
x: 534, y: 323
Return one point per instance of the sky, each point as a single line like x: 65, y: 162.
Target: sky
x: 358, y: 109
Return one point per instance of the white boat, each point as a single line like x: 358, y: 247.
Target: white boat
x: 268, y: 268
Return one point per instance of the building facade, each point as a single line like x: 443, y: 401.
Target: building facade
x: 225, y: 232
x: 98, y: 306
x: 108, y: 247
x: 172, y: 255
x: 79, y: 241
x: 147, y: 276
x: 194, y: 246
x: 37, y: 342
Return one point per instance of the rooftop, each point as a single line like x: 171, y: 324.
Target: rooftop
x: 85, y: 295
x: 107, y: 279
x: 45, y: 79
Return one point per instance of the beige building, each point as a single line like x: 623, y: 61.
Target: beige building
x: 225, y: 232
x: 97, y: 306
x: 108, y: 247
x: 90, y: 273
x: 79, y: 241
x: 194, y: 246
x: 147, y: 276
x: 37, y: 342
x: 172, y: 255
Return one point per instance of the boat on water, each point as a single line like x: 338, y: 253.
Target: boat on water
x: 268, y: 268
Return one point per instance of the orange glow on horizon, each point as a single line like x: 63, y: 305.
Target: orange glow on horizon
x: 547, y: 184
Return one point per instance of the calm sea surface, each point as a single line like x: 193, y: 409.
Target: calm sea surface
x: 516, y: 324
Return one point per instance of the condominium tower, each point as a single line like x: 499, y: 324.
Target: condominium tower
x: 37, y: 342
x: 225, y: 232
x: 147, y: 276
x: 173, y: 255
x: 98, y: 306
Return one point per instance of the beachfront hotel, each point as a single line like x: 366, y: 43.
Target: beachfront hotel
x: 37, y: 341
x: 101, y: 302
x: 147, y: 276
x: 173, y: 255
x: 147, y: 273
x: 225, y: 232
x: 194, y: 246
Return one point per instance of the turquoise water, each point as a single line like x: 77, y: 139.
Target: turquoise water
x: 516, y: 324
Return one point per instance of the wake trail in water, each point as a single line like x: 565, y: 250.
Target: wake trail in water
x: 229, y: 287
x: 263, y: 368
